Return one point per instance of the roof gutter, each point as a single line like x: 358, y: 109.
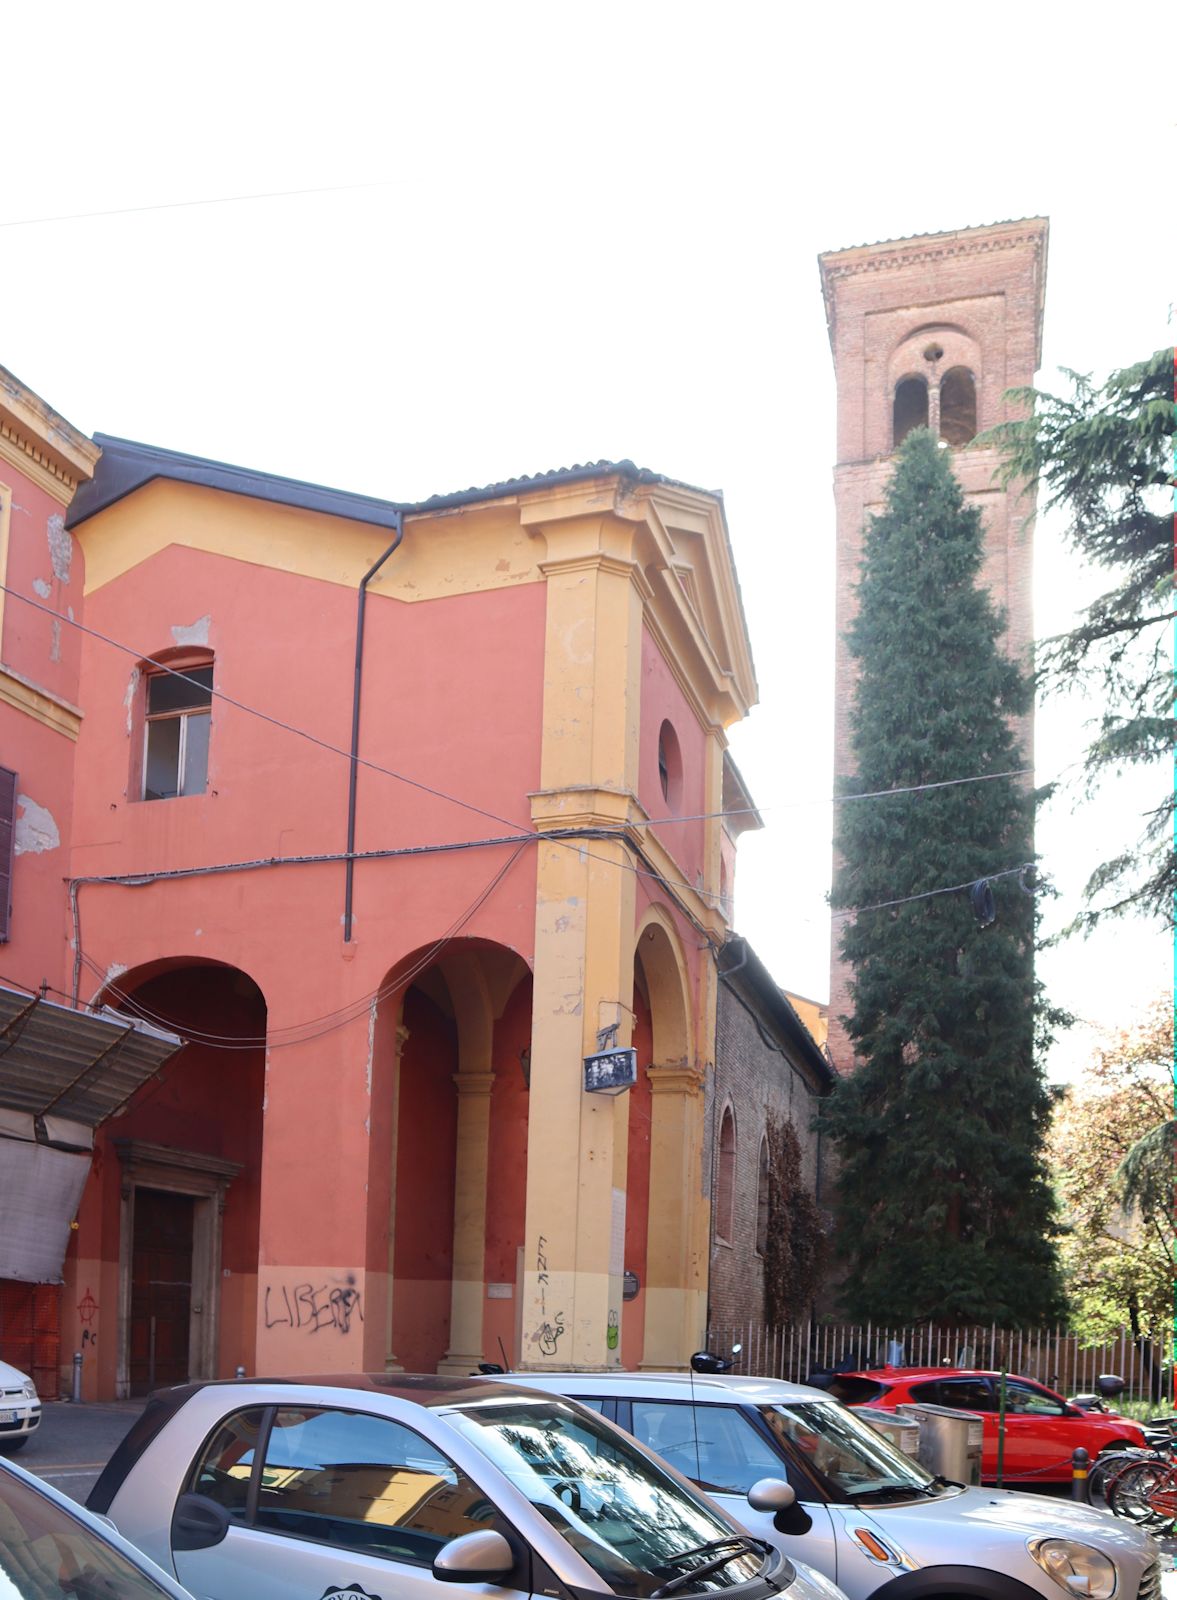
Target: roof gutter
x: 357, y: 687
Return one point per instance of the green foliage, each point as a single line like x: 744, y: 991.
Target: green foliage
x: 795, y: 1247
x: 1103, y: 456
x: 1115, y: 1253
x: 946, y: 1213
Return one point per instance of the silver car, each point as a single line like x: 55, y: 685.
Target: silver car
x: 386, y: 1487
x: 50, y: 1549
x: 874, y: 1520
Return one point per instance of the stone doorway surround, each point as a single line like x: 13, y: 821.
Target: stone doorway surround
x: 206, y: 1178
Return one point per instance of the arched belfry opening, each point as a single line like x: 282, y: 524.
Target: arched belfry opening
x: 958, y: 406
x: 910, y: 408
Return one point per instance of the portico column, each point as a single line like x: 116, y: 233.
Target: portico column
x: 468, y: 1289
x: 676, y: 1251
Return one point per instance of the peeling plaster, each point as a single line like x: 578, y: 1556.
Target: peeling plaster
x: 115, y: 970
x: 371, y: 1049
x: 129, y: 697
x: 61, y: 546
x: 41, y: 587
x: 55, y: 640
x: 36, y: 831
x: 196, y: 633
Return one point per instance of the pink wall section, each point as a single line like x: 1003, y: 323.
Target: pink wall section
x: 637, y: 1199
x: 662, y: 699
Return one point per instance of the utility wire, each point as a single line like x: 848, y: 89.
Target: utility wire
x: 441, y: 794
x: 184, y: 205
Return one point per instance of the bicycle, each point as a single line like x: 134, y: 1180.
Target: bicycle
x: 1144, y: 1491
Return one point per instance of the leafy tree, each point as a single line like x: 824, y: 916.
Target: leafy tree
x: 946, y: 1212
x: 1103, y: 456
x: 1115, y: 1251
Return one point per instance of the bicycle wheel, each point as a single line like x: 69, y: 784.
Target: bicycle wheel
x: 1103, y: 1469
x: 1130, y: 1493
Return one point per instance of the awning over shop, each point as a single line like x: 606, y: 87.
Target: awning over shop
x: 79, y: 1065
x: 62, y: 1072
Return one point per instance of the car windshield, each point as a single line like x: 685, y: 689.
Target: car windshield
x: 850, y: 1458
x: 618, y: 1509
x: 45, y: 1554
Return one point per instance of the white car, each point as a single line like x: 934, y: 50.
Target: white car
x: 50, y: 1549
x: 385, y: 1487
x: 875, y: 1522
x: 20, y: 1408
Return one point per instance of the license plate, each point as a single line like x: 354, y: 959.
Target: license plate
x: 7, y: 1416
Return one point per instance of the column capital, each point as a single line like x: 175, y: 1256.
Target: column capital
x: 678, y: 1078
x: 474, y: 1083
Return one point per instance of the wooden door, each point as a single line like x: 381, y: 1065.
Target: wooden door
x: 161, y: 1289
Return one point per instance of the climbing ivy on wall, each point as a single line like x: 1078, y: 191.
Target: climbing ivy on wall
x: 794, y: 1252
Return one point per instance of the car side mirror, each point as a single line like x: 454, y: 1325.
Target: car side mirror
x: 771, y: 1494
x: 481, y: 1557
x: 197, y: 1523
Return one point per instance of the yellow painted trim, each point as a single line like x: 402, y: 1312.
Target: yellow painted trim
x: 5, y: 525
x: 43, y: 707
x: 55, y: 445
x: 483, y: 548
x: 35, y: 464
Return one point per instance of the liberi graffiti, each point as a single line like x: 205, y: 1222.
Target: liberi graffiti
x: 312, y: 1308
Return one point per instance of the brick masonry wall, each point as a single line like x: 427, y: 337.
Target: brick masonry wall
x: 756, y: 1081
x: 981, y: 288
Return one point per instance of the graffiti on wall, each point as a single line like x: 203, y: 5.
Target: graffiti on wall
x: 313, y: 1307
x: 551, y: 1329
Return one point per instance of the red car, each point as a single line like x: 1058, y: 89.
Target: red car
x: 1041, y: 1429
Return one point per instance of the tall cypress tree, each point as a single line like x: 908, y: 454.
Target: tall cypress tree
x: 945, y: 1212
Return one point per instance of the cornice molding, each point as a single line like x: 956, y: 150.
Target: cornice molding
x: 36, y: 464
x: 40, y: 704
x: 881, y: 259
x: 41, y: 443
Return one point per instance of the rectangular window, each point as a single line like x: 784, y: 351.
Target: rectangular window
x: 7, y: 841
x: 175, y: 754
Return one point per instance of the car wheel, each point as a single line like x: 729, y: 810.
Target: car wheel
x: 8, y: 1446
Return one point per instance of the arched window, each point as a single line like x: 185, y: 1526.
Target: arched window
x: 725, y: 1179
x: 958, y: 406
x: 669, y: 765
x: 177, y: 709
x: 762, y: 1192
x: 910, y: 409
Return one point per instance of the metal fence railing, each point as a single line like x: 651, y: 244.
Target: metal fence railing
x: 1055, y: 1358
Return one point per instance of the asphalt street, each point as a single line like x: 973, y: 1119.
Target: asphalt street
x: 74, y: 1443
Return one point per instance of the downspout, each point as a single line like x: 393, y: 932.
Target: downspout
x: 361, y: 605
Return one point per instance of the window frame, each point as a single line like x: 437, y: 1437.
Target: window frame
x: 186, y: 663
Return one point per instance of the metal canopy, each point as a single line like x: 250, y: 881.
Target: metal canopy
x: 78, y: 1065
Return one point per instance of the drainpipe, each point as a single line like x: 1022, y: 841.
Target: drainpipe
x: 361, y: 604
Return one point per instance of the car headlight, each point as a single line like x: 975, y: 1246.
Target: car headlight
x: 1075, y: 1567
x: 30, y: 1389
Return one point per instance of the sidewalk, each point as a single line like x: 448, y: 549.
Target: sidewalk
x: 74, y: 1443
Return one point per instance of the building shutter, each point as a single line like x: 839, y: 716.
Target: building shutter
x: 7, y: 840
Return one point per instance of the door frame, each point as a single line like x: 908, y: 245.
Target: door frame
x: 206, y: 1179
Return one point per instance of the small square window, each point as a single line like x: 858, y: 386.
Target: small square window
x: 176, y: 732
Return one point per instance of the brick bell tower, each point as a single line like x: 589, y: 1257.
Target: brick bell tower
x: 930, y: 332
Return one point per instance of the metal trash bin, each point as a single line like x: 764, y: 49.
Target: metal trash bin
x: 903, y: 1432
x: 950, y: 1441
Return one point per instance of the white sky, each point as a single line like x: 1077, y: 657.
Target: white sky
x: 593, y: 233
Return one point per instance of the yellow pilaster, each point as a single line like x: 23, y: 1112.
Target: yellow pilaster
x: 575, y: 1230
x: 676, y: 1251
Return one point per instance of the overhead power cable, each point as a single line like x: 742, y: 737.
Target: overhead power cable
x: 186, y: 205
x: 467, y: 805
